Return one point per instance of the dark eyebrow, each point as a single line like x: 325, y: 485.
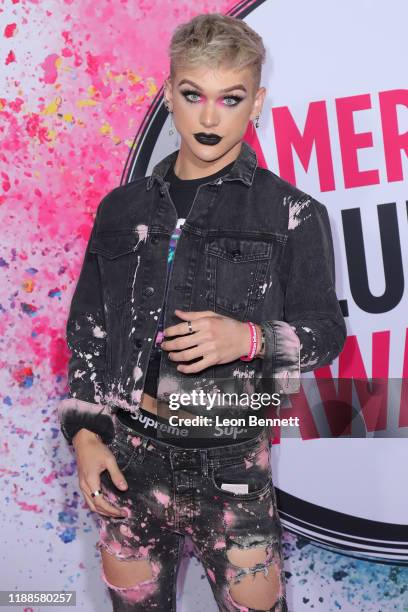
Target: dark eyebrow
x: 238, y: 86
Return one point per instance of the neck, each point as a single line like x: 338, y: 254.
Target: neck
x: 188, y: 166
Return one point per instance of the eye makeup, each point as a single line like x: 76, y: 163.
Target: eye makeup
x: 187, y: 93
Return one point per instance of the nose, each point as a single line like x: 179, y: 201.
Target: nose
x: 209, y: 115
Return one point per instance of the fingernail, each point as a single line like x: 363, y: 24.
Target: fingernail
x: 122, y: 484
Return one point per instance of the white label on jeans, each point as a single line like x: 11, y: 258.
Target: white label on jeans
x: 235, y: 488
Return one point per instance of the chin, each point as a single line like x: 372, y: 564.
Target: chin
x: 207, y: 152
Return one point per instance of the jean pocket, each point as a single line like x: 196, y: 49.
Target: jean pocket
x: 127, y: 449
x: 118, y: 253
x: 253, y: 475
x: 237, y: 268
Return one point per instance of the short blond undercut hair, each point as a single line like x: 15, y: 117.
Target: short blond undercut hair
x: 216, y: 40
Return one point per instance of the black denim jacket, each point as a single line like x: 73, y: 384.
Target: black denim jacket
x: 253, y: 247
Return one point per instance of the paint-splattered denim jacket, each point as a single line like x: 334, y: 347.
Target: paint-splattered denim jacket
x: 253, y: 247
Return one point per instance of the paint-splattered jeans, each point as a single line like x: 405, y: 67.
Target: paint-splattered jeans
x: 174, y: 493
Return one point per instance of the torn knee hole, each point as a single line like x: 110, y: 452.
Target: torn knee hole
x: 257, y: 579
x: 123, y: 573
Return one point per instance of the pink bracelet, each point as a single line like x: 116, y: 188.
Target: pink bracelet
x: 254, y: 343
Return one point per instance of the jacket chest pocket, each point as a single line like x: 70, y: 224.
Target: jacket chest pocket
x: 237, y: 271
x: 118, y: 254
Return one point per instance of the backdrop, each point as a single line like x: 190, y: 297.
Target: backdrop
x: 82, y: 111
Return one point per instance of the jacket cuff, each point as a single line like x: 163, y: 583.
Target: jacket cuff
x: 75, y: 414
x: 281, y: 362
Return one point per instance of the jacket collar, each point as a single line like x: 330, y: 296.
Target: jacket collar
x: 242, y: 170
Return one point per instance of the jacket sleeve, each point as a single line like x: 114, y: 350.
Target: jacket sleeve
x: 313, y: 331
x: 86, y: 338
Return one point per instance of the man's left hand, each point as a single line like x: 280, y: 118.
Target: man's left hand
x: 216, y: 338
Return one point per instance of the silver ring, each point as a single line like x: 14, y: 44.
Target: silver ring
x: 190, y: 329
x: 96, y: 493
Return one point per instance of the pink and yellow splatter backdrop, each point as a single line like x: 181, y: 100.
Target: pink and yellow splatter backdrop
x: 76, y: 81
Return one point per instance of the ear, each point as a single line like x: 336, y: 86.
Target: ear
x: 168, y: 90
x: 258, y: 102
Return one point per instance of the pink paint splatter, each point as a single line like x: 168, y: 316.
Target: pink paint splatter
x: 50, y: 478
x: 229, y: 518
x: 10, y: 30
x: 10, y: 58
x: 24, y: 505
x: 136, y: 441
x: 50, y: 68
x: 7, y: 472
x: 162, y: 498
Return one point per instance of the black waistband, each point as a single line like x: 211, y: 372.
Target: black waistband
x: 224, y: 454
x: 155, y: 427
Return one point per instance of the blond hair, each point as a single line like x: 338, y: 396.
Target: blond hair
x: 217, y: 40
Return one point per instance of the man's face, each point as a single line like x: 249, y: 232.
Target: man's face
x: 209, y: 101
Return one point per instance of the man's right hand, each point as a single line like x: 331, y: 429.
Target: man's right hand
x: 93, y: 457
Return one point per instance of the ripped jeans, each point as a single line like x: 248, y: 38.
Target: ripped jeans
x: 176, y: 492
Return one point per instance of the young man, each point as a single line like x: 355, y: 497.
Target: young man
x: 246, y: 299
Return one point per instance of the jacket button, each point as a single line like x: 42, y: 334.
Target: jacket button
x: 149, y: 291
x: 155, y: 240
x: 138, y: 343
x: 236, y: 252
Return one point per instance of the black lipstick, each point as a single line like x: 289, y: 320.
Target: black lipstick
x: 207, y: 139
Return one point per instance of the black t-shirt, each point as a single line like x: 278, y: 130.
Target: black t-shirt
x: 182, y: 193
